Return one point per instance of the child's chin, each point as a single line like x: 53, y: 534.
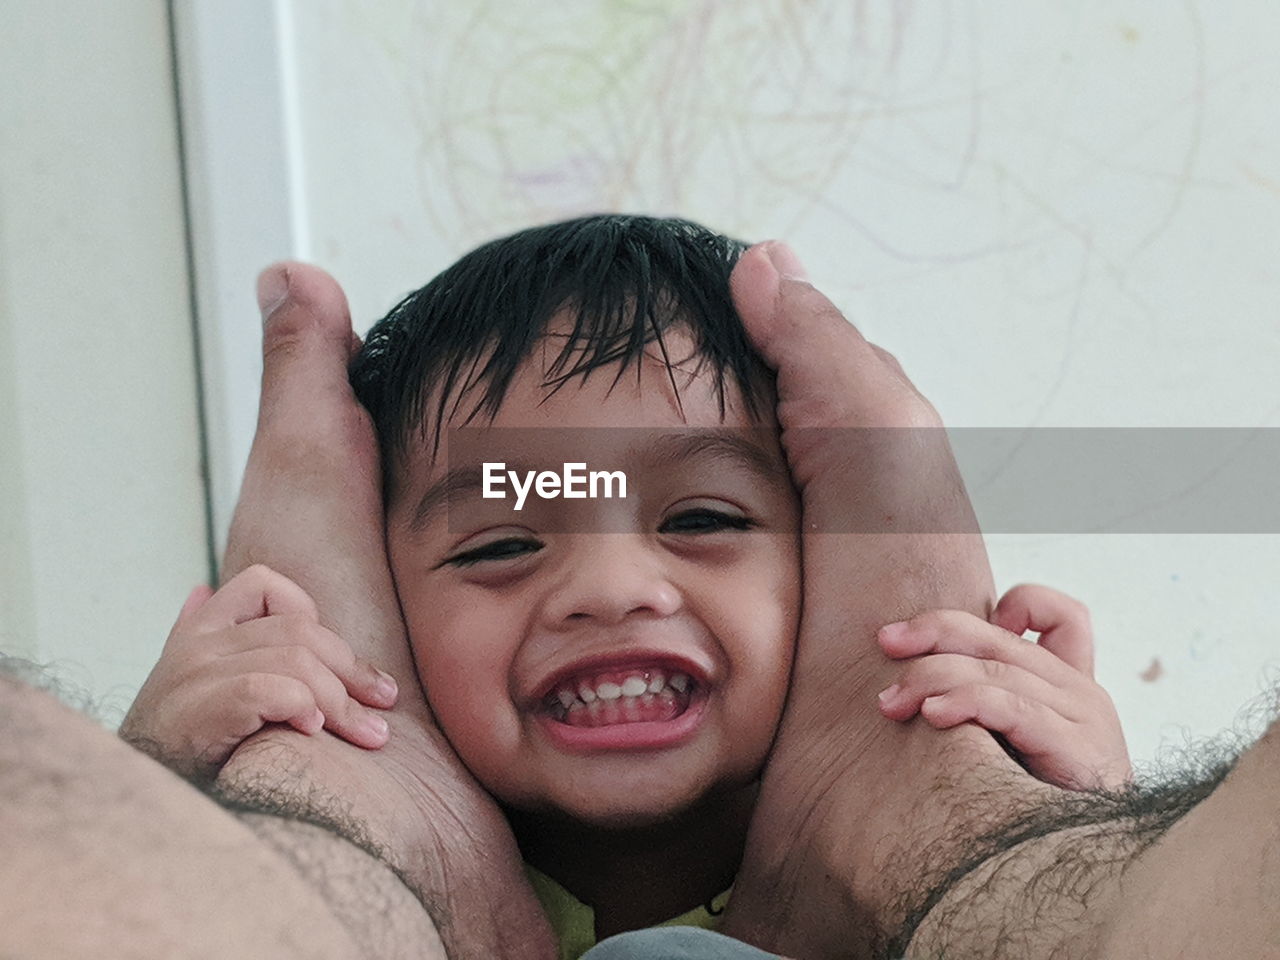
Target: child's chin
x: 625, y: 812
x: 619, y: 818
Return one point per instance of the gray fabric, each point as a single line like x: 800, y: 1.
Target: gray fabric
x: 674, y: 943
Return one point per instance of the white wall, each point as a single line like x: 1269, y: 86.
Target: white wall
x: 1055, y: 214
x: 101, y: 499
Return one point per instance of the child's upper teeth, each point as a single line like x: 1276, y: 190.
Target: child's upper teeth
x: 633, y: 686
x: 638, y: 684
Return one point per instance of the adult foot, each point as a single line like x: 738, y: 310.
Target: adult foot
x: 311, y: 508
x: 854, y: 812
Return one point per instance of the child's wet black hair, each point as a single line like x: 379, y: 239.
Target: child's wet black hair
x: 623, y: 279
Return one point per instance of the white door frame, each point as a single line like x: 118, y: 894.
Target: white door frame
x: 243, y: 167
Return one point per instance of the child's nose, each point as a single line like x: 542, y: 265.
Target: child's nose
x: 609, y: 578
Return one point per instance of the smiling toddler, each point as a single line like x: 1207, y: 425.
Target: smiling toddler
x: 611, y: 668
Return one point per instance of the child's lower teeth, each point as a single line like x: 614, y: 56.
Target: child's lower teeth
x: 646, y: 708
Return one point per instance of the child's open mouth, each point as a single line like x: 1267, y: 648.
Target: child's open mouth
x: 649, y: 695
x: 649, y: 703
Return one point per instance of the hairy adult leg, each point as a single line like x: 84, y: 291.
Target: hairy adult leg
x: 104, y: 853
x: 1189, y: 867
x: 1209, y: 885
x: 1049, y: 882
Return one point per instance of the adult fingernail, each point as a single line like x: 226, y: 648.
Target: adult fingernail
x: 273, y: 289
x: 785, y: 261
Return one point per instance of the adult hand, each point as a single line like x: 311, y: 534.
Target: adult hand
x: 311, y: 508
x: 850, y: 803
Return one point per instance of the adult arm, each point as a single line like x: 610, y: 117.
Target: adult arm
x: 866, y: 833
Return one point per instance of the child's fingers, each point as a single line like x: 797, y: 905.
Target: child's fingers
x: 955, y: 631
x: 272, y: 698
x: 254, y: 592
x: 1062, y: 622
x: 258, y: 593
x: 195, y: 600
x: 1030, y: 727
x: 342, y: 714
x: 935, y: 674
x: 194, y: 603
x: 203, y: 727
x: 361, y: 679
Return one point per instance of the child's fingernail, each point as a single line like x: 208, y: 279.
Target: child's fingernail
x: 377, y: 724
x: 892, y: 631
x: 785, y: 261
x: 386, y: 687
x: 273, y: 289
x: 889, y: 693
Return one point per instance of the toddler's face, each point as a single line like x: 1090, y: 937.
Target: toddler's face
x: 613, y: 659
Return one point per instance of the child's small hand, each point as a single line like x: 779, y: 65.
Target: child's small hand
x: 1041, y: 697
x: 250, y: 654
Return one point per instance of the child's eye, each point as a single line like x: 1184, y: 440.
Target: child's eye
x: 505, y: 549
x: 703, y: 520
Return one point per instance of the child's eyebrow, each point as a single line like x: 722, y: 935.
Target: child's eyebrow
x: 457, y: 481
x: 733, y: 445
